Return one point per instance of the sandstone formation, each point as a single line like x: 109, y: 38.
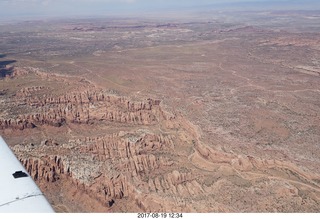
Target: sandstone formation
x: 165, y: 117
x: 165, y: 167
x: 84, y: 107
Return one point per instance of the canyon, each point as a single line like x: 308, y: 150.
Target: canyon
x: 178, y: 116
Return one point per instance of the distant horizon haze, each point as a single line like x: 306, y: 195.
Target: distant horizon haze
x: 26, y: 9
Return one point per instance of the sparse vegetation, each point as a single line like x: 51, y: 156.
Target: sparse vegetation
x: 183, y: 114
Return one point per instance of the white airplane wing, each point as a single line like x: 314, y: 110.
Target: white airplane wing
x: 18, y: 191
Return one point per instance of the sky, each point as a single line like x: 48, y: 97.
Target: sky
x: 11, y: 9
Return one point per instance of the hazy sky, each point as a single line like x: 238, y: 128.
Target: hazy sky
x: 33, y: 8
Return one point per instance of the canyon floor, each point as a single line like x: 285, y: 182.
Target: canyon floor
x: 205, y: 113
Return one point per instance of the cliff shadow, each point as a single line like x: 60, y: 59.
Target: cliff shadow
x: 4, y: 69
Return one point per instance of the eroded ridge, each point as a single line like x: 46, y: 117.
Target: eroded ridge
x: 214, y: 118
x: 81, y: 107
x: 159, y: 163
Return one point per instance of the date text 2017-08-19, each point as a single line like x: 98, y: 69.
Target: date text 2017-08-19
x: 159, y: 215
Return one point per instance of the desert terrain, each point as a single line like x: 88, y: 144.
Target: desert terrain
x: 210, y: 113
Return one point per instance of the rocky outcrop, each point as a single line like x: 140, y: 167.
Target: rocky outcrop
x: 51, y: 119
x: 28, y: 91
x: 116, y: 146
x: 108, y: 167
x: 176, y: 183
x: 211, y: 154
x: 85, y: 97
x: 110, y: 189
x: 81, y: 107
x: 16, y: 124
x: 45, y: 168
x: 49, y: 169
x: 8, y: 71
x: 156, y: 163
x: 19, y: 72
x: 134, y: 155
